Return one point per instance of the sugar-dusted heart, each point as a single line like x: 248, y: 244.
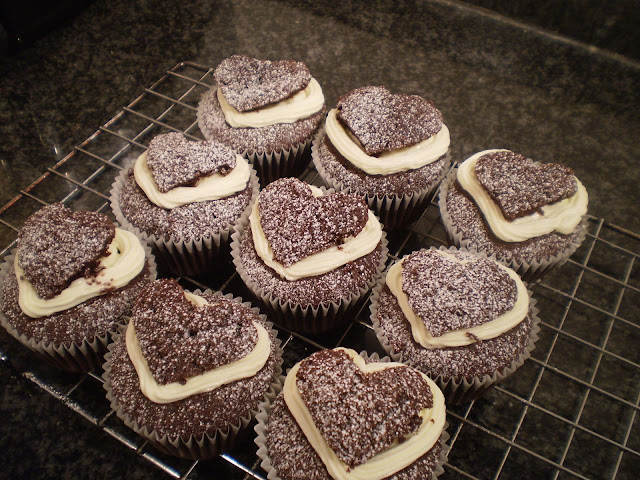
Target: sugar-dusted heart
x: 455, y: 290
x: 175, y: 161
x: 180, y: 339
x: 520, y: 186
x: 382, y: 121
x: 297, y: 224
x: 248, y: 83
x: 361, y: 413
x: 57, y: 245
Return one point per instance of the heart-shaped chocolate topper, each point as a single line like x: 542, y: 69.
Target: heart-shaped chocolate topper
x: 456, y: 290
x: 520, y: 186
x: 361, y: 414
x: 57, y: 245
x: 179, y: 339
x: 248, y: 83
x: 297, y: 224
x: 176, y: 162
x: 382, y: 121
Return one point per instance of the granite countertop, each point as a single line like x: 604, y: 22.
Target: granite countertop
x: 499, y: 84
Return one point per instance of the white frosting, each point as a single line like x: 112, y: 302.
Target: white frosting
x: 393, y: 161
x: 383, y: 464
x: 245, y: 367
x: 322, y: 262
x: 125, y: 261
x: 209, y: 187
x: 464, y: 336
x: 562, y: 216
x: 301, y: 105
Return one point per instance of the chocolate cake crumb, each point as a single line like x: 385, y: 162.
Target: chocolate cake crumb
x: 382, y: 121
x: 57, y: 245
x: 450, y: 296
x: 248, y: 83
x: 175, y: 161
x: 358, y: 414
x: 297, y: 224
x: 520, y: 186
x: 180, y: 340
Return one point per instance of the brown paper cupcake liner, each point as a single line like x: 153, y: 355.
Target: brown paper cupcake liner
x: 210, y: 444
x: 395, y: 210
x: 191, y: 256
x: 83, y: 357
x: 459, y: 390
x: 293, y: 316
x: 532, y: 270
x: 261, y: 439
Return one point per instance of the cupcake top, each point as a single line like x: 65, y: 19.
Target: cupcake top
x: 455, y: 298
x: 522, y: 199
x: 300, y: 232
x: 182, y: 344
x: 258, y: 93
x: 329, y: 396
x: 65, y: 258
x: 383, y: 133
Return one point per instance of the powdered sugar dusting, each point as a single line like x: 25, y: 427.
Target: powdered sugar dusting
x: 57, y: 245
x: 382, y: 121
x: 248, y: 83
x: 180, y: 340
x: 297, y: 224
x: 360, y: 415
x: 448, y: 295
x: 175, y: 161
x: 521, y: 186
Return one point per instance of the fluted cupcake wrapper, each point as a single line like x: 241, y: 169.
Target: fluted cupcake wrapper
x: 75, y: 357
x: 210, y: 444
x: 261, y: 439
x: 191, y: 256
x: 458, y: 390
x: 296, y: 317
x: 394, y: 210
x: 531, y: 270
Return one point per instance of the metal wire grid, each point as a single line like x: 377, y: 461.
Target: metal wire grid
x: 569, y: 412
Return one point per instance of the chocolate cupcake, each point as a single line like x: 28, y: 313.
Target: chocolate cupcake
x: 343, y: 416
x: 465, y: 320
x: 309, y: 255
x: 390, y: 149
x: 267, y: 111
x: 530, y: 216
x: 191, y: 369
x: 70, y: 283
x: 185, y: 198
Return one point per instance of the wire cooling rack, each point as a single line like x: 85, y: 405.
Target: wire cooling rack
x: 570, y: 412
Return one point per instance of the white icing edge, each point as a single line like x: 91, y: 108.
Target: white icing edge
x: 209, y: 187
x: 383, y: 464
x: 464, y: 336
x: 322, y: 262
x: 562, y: 217
x: 393, y: 161
x: 245, y: 367
x: 302, y: 104
x: 125, y: 262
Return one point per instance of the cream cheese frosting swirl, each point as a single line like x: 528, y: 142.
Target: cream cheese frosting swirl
x: 125, y: 260
x: 322, y: 262
x: 465, y: 336
x: 393, y: 161
x: 562, y: 216
x: 383, y: 464
x: 300, y: 105
x: 208, y: 187
x: 244, y: 367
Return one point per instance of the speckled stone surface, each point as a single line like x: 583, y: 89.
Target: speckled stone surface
x: 498, y: 86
